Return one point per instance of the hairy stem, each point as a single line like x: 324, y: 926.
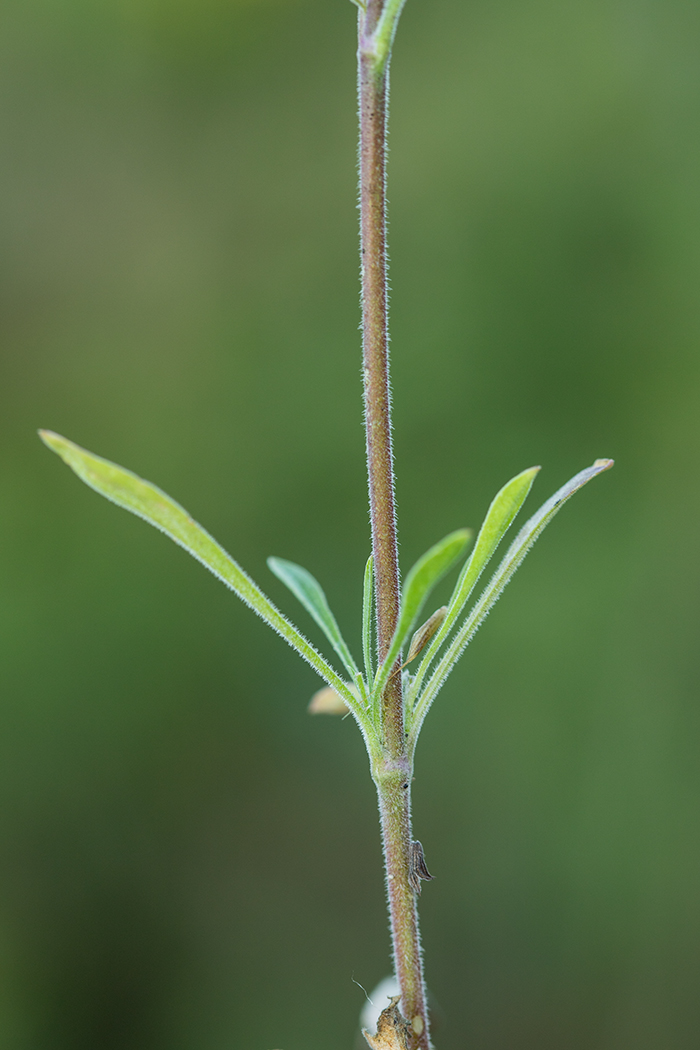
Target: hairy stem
x: 393, y: 783
x: 373, y: 112
x: 392, y: 769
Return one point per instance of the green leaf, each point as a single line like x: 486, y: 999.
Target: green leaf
x: 154, y: 506
x: 420, y: 581
x: 383, y: 36
x: 310, y: 593
x: 499, y: 517
x: 367, y: 604
x: 515, y: 554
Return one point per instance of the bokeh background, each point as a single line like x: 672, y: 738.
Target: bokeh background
x: 189, y: 861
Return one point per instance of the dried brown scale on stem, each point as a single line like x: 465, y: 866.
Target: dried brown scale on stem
x: 418, y: 868
x: 393, y: 1032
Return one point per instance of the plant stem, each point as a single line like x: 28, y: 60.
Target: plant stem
x: 392, y: 768
x: 373, y: 112
x: 393, y: 782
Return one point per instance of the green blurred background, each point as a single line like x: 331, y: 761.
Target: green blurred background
x: 190, y: 862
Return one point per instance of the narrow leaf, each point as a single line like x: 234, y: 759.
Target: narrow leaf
x: 420, y: 581
x: 367, y: 604
x: 515, y: 554
x: 154, y: 506
x: 383, y: 37
x: 499, y: 517
x: 310, y: 593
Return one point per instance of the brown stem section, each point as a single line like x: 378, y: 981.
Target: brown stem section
x: 392, y: 772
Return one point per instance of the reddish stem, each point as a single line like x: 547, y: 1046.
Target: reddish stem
x: 392, y: 771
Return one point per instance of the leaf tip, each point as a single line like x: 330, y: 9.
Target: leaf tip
x: 71, y: 454
x: 278, y: 566
x: 604, y: 464
x: 51, y: 440
x: 529, y: 475
x: 67, y: 450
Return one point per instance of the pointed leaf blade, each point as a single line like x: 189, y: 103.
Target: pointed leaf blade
x: 147, y: 501
x: 511, y: 561
x: 424, y: 575
x: 309, y: 592
x: 499, y: 517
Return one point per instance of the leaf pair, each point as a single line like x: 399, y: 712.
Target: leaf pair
x: 498, y: 520
x: 363, y: 694
x: 420, y: 581
x: 500, y: 515
x: 422, y: 578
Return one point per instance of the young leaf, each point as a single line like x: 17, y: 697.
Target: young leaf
x: 420, y: 581
x: 511, y: 561
x: 154, y: 506
x: 421, y: 638
x: 504, y: 506
x: 367, y: 602
x: 424, y: 634
x: 310, y: 593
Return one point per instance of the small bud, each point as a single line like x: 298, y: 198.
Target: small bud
x: 327, y: 702
x: 425, y: 633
